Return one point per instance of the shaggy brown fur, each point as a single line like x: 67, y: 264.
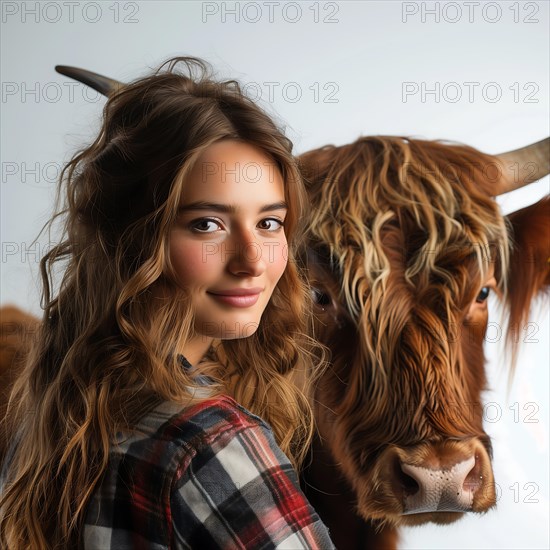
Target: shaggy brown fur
x: 405, y: 234
x: 16, y: 330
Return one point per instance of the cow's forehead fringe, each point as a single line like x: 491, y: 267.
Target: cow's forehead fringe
x: 411, y: 213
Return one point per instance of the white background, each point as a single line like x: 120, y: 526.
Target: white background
x: 330, y: 71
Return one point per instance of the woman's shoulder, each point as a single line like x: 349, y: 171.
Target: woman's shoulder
x: 174, y: 428
x: 210, y: 414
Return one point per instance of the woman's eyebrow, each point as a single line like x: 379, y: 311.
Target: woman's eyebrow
x: 281, y: 205
x: 228, y: 208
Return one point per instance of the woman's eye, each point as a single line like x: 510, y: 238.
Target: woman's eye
x: 205, y: 225
x: 270, y: 224
x: 483, y: 295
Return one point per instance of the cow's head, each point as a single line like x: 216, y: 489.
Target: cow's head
x: 406, y: 243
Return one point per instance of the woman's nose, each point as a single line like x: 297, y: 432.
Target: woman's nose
x: 245, y: 256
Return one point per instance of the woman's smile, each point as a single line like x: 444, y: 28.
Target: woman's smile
x: 237, y: 297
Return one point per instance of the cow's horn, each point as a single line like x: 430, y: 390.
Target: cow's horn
x: 525, y: 165
x: 100, y: 83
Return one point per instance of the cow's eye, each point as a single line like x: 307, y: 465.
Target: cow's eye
x: 319, y: 297
x: 483, y: 295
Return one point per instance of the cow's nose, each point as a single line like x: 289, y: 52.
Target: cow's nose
x: 450, y: 476
x: 449, y: 489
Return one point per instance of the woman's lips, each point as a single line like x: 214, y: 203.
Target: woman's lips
x: 237, y: 297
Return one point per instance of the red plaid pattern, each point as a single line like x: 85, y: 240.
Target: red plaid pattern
x: 210, y: 476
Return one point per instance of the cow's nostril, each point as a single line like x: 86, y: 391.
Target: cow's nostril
x: 474, y: 479
x: 409, y: 484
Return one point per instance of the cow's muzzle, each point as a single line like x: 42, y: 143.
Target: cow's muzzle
x: 453, y: 476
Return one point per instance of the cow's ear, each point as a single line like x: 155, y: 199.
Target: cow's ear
x: 529, y: 271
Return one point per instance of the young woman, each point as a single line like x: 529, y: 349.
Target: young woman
x: 163, y: 392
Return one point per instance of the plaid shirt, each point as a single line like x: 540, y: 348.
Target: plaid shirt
x: 210, y: 476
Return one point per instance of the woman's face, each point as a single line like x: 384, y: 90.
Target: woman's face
x: 228, y: 245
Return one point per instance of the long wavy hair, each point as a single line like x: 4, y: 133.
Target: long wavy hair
x: 104, y: 354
